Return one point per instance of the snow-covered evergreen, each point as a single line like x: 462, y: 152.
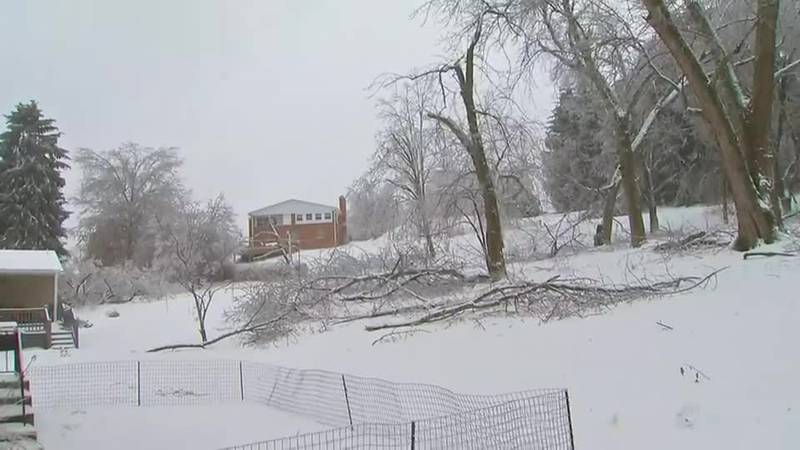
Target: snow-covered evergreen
x: 32, y: 212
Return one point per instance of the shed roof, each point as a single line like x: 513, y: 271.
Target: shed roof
x: 29, y: 262
x: 292, y: 206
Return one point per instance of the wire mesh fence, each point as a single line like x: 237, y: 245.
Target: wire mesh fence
x: 365, y: 413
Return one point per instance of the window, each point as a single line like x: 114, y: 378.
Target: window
x: 309, y: 216
x: 318, y: 216
x: 327, y: 216
x: 298, y: 217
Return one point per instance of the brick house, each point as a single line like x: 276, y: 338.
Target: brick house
x: 298, y: 225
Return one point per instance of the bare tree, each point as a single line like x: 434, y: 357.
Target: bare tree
x: 741, y: 128
x: 373, y: 209
x: 472, y: 141
x: 405, y: 153
x: 122, y: 192
x: 598, y: 42
x: 512, y: 143
x: 195, y: 249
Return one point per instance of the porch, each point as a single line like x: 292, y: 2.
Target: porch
x: 38, y: 329
x: 29, y: 297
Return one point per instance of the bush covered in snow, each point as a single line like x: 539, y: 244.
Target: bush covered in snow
x: 89, y: 283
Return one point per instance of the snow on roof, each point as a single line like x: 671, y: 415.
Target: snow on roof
x: 292, y: 206
x: 29, y: 261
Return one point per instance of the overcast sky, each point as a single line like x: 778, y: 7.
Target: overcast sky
x: 266, y: 99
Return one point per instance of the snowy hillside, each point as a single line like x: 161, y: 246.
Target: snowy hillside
x: 711, y: 368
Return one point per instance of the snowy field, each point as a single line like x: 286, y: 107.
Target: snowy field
x: 722, y: 373
x: 176, y: 427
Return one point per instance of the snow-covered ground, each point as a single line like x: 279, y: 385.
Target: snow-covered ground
x: 723, y: 375
x: 196, y: 427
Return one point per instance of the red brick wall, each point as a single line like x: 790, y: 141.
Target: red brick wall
x: 304, y: 236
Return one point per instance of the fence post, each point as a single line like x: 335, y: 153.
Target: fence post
x: 76, y: 338
x: 241, y: 380
x: 347, y: 400
x: 138, y: 383
x: 413, y: 432
x: 569, y: 419
x: 48, y: 333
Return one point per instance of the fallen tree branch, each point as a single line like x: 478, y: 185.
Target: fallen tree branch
x: 219, y: 338
x: 767, y: 254
x: 377, y: 286
x: 397, y: 335
x: 695, y: 240
x: 551, y: 299
x: 665, y: 326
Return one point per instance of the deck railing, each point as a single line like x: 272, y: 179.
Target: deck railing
x: 32, y: 320
x: 25, y: 316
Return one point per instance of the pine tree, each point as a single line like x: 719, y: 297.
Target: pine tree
x: 32, y: 201
x: 575, y: 163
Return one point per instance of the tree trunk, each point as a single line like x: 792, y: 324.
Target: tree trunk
x: 608, y: 211
x: 203, y: 337
x: 627, y: 164
x: 494, y: 231
x: 724, y: 195
x: 760, y: 108
x: 494, y: 228
x: 778, y: 196
x: 426, y: 232
x: 755, y: 222
x: 650, y: 196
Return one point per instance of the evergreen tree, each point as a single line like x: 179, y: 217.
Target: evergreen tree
x: 32, y: 201
x: 575, y: 163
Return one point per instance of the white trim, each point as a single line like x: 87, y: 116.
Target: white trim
x: 28, y: 272
x: 291, y: 206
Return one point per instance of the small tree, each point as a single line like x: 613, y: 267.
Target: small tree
x: 32, y: 212
x: 373, y: 209
x: 405, y: 154
x: 194, y: 249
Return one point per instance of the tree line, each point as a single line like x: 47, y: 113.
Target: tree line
x: 139, y: 228
x: 659, y: 104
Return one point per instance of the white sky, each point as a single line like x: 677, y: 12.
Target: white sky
x: 266, y: 99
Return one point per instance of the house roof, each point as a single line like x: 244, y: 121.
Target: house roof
x: 292, y: 206
x: 29, y: 262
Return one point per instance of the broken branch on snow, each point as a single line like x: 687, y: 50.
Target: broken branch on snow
x: 551, y: 299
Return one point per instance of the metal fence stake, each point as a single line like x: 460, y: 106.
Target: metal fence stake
x: 347, y: 399
x: 241, y: 379
x: 138, y: 383
x: 569, y: 419
x: 413, y: 432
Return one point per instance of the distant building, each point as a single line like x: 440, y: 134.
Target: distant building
x: 296, y: 225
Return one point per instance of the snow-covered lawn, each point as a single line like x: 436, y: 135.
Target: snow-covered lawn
x: 173, y: 428
x: 725, y: 375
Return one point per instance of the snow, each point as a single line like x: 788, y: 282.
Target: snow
x: 29, y: 262
x: 293, y: 206
x: 724, y: 376
x: 171, y: 428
